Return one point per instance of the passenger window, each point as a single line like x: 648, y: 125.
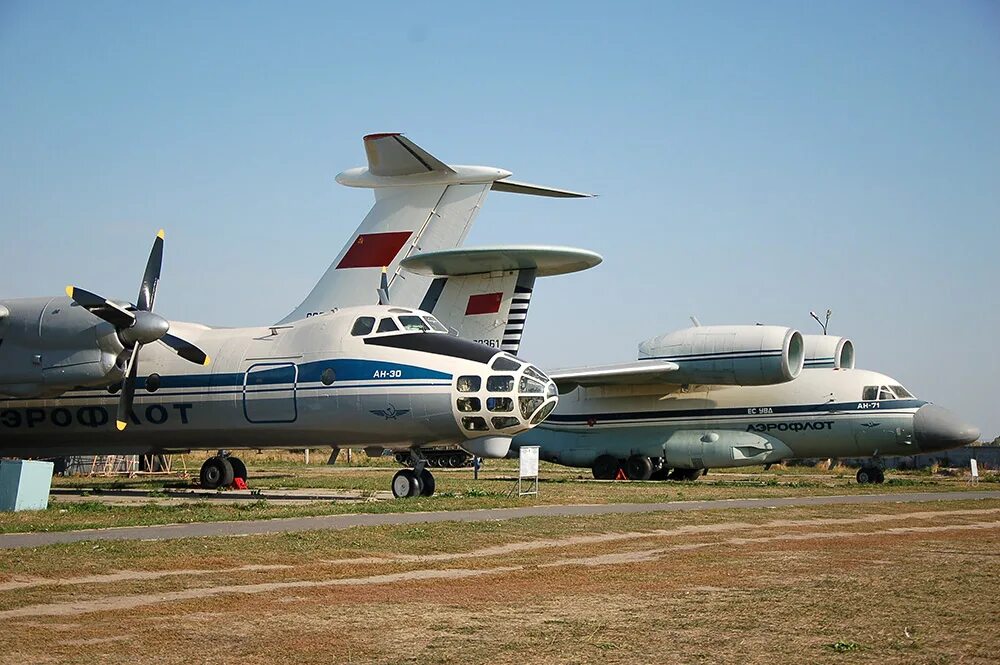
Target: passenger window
x: 387, y: 325
x: 475, y: 423
x: 870, y: 393
x: 413, y: 323
x: 469, y: 404
x: 531, y: 386
x: 503, y: 364
x: 503, y: 422
x: 500, y: 384
x: 500, y: 404
x: 469, y: 384
x: 885, y: 393
x: 363, y: 326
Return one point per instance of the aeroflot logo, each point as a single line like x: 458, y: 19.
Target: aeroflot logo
x: 790, y: 427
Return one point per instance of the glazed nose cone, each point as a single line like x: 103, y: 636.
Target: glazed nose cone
x: 937, y: 428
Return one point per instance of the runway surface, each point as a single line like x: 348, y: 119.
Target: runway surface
x: 293, y: 524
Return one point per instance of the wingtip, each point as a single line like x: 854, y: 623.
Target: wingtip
x: 121, y: 424
x: 160, y: 234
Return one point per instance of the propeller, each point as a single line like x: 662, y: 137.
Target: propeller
x: 137, y: 326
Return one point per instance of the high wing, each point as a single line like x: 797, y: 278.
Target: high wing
x: 642, y: 372
x: 421, y: 205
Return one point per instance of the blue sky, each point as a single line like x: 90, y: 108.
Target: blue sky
x: 754, y: 160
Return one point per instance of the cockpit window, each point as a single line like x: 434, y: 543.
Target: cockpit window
x: 533, y: 372
x: 413, y: 323
x: 435, y: 324
x: 885, y: 393
x: 363, y: 325
x: 527, y: 385
x: 500, y: 384
x: 387, y: 325
x: 504, y: 364
x: 870, y: 393
x: 901, y: 392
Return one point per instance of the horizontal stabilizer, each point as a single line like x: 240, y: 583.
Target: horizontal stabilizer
x: 537, y: 190
x: 545, y: 261
x: 641, y: 372
x: 393, y: 154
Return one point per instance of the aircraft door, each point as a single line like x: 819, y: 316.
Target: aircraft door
x: 269, y: 392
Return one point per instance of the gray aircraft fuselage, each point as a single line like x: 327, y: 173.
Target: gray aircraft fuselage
x: 822, y: 413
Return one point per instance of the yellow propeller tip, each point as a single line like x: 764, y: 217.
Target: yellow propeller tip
x: 160, y: 234
x: 120, y: 424
x: 69, y: 291
x: 207, y: 361
x: 385, y: 269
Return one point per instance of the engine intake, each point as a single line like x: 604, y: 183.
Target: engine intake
x: 828, y: 351
x: 730, y: 355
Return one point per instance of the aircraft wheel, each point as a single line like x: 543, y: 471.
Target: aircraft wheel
x: 216, y: 472
x: 426, y: 483
x: 864, y: 476
x: 879, y: 476
x: 405, y: 484
x: 690, y: 474
x: 605, y: 467
x: 638, y: 467
x: 239, y: 468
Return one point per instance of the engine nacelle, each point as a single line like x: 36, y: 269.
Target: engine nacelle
x: 51, y: 345
x: 730, y: 355
x: 828, y: 351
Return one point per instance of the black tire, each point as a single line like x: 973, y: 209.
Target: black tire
x: 864, y: 475
x: 427, y: 484
x: 605, y: 467
x: 405, y: 484
x: 216, y: 472
x: 690, y: 474
x: 662, y: 473
x: 239, y: 468
x: 638, y: 467
x: 879, y: 476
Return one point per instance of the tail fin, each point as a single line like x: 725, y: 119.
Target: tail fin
x: 421, y: 205
x: 484, y: 293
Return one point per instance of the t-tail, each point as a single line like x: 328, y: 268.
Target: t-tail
x: 422, y: 205
x: 483, y: 293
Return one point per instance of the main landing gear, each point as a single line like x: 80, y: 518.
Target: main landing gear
x: 640, y: 467
x: 870, y: 474
x: 222, y: 471
x: 417, y: 481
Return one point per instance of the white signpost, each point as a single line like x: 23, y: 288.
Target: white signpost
x: 974, y: 467
x: 527, y: 477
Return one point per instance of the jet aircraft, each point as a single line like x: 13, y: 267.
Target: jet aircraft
x: 728, y: 396
x: 83, y: 374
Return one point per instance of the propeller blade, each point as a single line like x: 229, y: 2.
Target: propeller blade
x: 186, y: 350
x: 147, y: 290
x: 128, y: 389
x: 383, y: 289
x: 100, y: 307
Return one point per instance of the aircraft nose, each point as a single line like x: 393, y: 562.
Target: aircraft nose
x: 937, y: 428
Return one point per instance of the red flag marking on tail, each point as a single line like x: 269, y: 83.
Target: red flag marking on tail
x: 484, y: 303
x: 374, y: 250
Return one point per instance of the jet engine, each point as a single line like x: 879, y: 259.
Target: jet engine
x: 828, y: 351
x: 730, y: 355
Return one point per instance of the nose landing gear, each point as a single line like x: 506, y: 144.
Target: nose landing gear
x: 418, y: 481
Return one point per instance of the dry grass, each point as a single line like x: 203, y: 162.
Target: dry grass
x: 890, y: 583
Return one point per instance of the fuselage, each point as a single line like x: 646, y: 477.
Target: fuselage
x: 365, y: 376
x: 821, y: 413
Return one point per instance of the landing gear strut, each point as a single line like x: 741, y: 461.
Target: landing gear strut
x: 417, y: 481
x: 870, y: 474
x: 221, y: 471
